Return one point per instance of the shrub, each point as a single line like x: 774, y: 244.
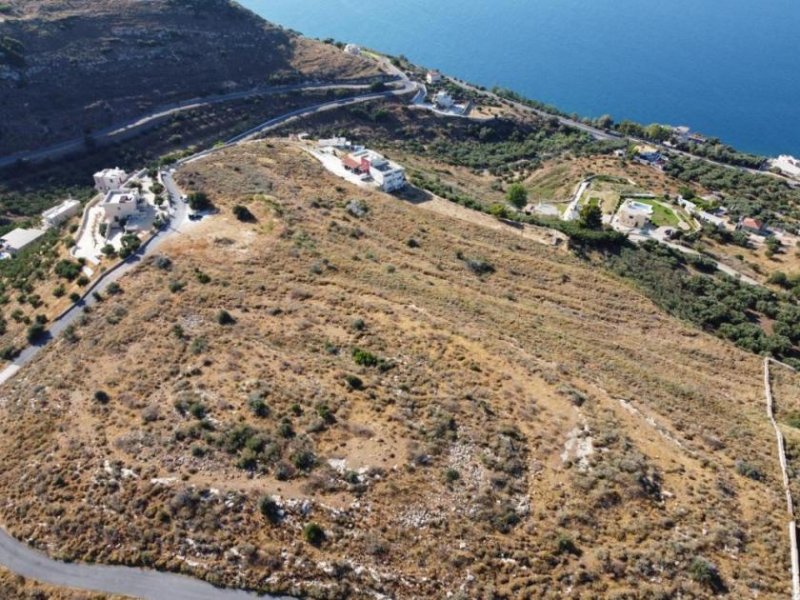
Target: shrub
x: 67, y: 269
x: 364, y: 358
x: 225, y: 318
x: 102, y: 397
x: 304, y: 460
x: 706, y: 573
x: 59, y: 291
x: 451, y: 476
x: 258, y: 407
x: 314, y: 534
x: 199, y: 201
x: 479, y: 266
x: 74, y: 297
x: 353, y: 382
x: 517, y: 196
x: 565, y: 545
x: 749, y: 470
x: 35, y: 332
x: 270, y: 509
x: 176, y: 286
x: 243, y: 214
x: 163, y: 263
x: 114, y: 288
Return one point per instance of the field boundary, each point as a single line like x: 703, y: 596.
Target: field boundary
x: 784, y: 472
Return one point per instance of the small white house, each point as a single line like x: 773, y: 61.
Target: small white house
x: 110, y: 179
x: 120, y: 204
x: 55, y: 216
x: 19, y: 239
x: 433, y: 77
x: 634, y: 214
x: 443, y: 100
x: 352, y: 50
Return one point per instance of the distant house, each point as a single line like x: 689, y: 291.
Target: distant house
x: 19, y: 239
x: 443, y: 100
x: 352, y: 49
x: 110, y: 179
x: 634, y: 214
x: 433, y: 77
x: 752, y: 225
x: 652, y: 159
x: 120, y: 204
x: 55, y: 216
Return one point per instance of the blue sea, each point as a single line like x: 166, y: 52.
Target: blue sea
x: 727, y: 68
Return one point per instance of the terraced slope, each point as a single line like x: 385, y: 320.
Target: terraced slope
x: 457, y: 409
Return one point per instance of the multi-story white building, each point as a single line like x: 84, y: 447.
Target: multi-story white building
x: 55, y: 216
x: 110, y: 179
x: 387, y: 174
x: 120, y: 204
x: 443, y: 100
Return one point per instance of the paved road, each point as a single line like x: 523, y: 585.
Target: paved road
x: 128, y: 581
x: 122, y: 130
x: 572, y: 213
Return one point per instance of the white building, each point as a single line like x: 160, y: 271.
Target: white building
x: 337, y: 142
x: 789, y: 165
x: 433, y: 77
x: 443, y: 100
x: 352, y: 49
x: 55, y: 216
x: 634, y: 214
x: 110, y: 179
x: 120, y: 204
x: 19, y: 239
x: 387, y: 174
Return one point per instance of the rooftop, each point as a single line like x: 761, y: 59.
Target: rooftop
x: 19, y: 238
x: 120, y: 197
x: 63, y: 207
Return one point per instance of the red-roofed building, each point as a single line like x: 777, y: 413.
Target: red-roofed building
x: 751, y: 225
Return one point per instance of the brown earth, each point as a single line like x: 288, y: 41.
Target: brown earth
x: 459, y: 409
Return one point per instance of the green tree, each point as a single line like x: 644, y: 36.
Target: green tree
x: 591, y: 217
x: 517, y: 196
x: 199, y: 201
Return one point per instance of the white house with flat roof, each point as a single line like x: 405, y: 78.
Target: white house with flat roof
x: 120, y: 204
x: 352, y: 50
x: 634, y: 215
x: 387, y: 174
x: 55, y: 216
x: 443, y: 100
x: 110, y: 179
x: 19, y: 239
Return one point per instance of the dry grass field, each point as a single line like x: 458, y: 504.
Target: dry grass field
x: 459, y: 410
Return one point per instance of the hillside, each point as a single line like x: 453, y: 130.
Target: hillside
x: 458, y: 409
x: 70, y: 67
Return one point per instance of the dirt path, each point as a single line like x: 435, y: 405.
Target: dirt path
x: 783, y: 463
